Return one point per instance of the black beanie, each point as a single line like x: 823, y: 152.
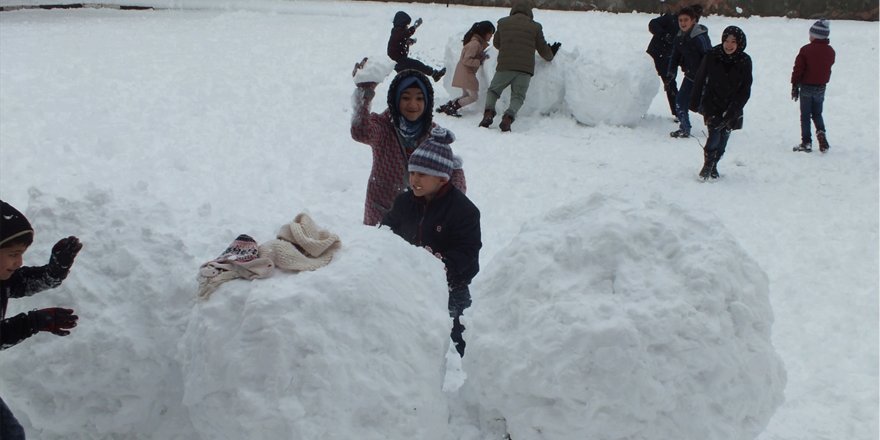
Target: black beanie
x: 13, y: 224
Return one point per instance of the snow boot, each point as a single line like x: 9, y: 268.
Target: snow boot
x: 805, y: 147
x: 438, y: 74
x: 450, y: 108
x: 714, y: 173
x: 823, y: 141
x: 506, y: 120
x: 680, y: 134
x: 488, y: 117
x: 457, y: 336
x: 706, y: 171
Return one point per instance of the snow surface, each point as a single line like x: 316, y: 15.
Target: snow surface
x: 159, y: 136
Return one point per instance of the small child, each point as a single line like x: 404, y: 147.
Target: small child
x: 16, y: 235
x: 812, y: 71
x: 399, y: 43
x: 437, y: 216
x: 475, y: 42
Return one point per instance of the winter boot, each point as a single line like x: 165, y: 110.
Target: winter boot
x: 805, y: 147
x: 714, y: 173
x: 452, y: 110
x: 457, y: 336
x: 438, y: 74
x: 680, y: 134
x: 706, y: 171
x: 506, y: 120
x: 488, y: 117
x: 823, y: 141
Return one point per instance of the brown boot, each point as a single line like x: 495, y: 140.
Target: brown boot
x: 488, y: 117
x: 506, y: 120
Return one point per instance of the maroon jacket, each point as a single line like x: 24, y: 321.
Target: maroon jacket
x: 390, y: 175
x: 813, y: 64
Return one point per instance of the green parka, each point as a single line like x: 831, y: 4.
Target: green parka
x: 517, y: 38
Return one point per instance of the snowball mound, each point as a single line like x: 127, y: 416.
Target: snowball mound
x: 598, y: 86
x: 612, y: 319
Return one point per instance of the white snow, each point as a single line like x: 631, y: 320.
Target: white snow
x: 159, y: 136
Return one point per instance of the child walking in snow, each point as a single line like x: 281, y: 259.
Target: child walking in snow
x: 16, y: 235
x: 400, y: 41
x: 690, y: 45
x: 437, y: 216
x: 811, y: 73
x: 475, y: 42
x: 663, y: 30
x: 722, y: 86
x: 393, y: 134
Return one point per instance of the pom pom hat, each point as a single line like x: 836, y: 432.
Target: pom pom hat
x: 434, y: 155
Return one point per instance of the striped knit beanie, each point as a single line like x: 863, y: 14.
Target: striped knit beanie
x: 434, y: 156
x: 820, y: 30
x: 13, y: 224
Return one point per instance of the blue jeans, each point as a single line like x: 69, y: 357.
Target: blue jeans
x: 682, y: 102
x: 717, y: 140
x: 10, y: 429
x: 811, y: 99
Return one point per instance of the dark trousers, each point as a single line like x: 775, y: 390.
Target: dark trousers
x: 717, y: 140
x: 411, y: 64
x: 10, y: 429
x: 457, y: 335
x: 682, y: 102
x: 812, y: 98
x: 661, y: 64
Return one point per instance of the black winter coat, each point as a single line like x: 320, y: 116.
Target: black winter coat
x: 722, y: 86
x: 688, y: 50
x: 398, y: 42
x: 26, y: 281
x: 448, y: 226
x: 663, y: 28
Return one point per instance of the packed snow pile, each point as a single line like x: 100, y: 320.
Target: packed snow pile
x: 597, y: 86
x: 622, y: 320
x: 354, y: 347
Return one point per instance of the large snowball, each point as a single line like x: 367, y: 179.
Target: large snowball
x: 619, y: 320
x: 354, y: 347
x: 598, y: 86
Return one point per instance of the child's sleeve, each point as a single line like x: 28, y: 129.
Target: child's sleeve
x: 800, y: 63
x: 27, y: 281
x: 365, y: 125
x: 462, y: 260
x: 14, y: 330
x: 471, y: 55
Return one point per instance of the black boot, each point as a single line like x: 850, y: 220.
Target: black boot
x: 452, y: 109
x: 488, y: 117
x: 714, y: 173
x: 506, y: 120
x: 445, y: 107
x: 706, y: 171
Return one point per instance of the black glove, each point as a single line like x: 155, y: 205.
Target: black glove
x: 459, y: 299
x: 417, y: 23
x: 795, y: 92
x: 63, y: 254
x: 555, y: 47
x: 410, y: 41
x: 54, y: 319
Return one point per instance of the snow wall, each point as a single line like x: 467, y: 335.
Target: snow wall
x: 595, y: 85
x: 620, y: 320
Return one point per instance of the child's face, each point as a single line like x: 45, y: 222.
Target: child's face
x: 11, y: 260
x: 729, y: 44
x: 412, y: 104
x: 685, y: 22
x: 425, y: 185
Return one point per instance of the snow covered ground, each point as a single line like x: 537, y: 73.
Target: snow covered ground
x: 159, y: 136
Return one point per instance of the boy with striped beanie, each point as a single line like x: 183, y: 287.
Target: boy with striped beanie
x: 809, y: 77
x: 437, y: 216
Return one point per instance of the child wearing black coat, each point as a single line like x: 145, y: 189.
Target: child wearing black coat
x: 16, y: 235
x: 437, y: 216
x: 722, y: 86
x: 688, y: 49
x: 400, y: 41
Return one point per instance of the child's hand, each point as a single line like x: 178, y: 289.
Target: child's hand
x: 54, y: 319
x: 795, y: 92
x: 64, y: 252
x: 417, y: 23
x: 410, y: 41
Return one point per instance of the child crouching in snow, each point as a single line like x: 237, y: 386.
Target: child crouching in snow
x: 393, y: 134
x: 16, y: 235
x: 437, y: 216
x: 475, y: 41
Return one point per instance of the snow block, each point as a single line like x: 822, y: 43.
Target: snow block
x: 615, y: 319
x: 353, y: 347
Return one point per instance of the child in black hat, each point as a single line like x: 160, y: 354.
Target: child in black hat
x: 437, y: 216
x: 16, y: 235
x: 399, y: 43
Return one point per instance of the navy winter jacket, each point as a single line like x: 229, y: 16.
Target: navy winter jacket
x: 26, y: 281
x: 723, y: 85
x: 688, y: 51
x: 448, y: 226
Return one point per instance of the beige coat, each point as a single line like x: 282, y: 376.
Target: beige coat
x: 470, y: 61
